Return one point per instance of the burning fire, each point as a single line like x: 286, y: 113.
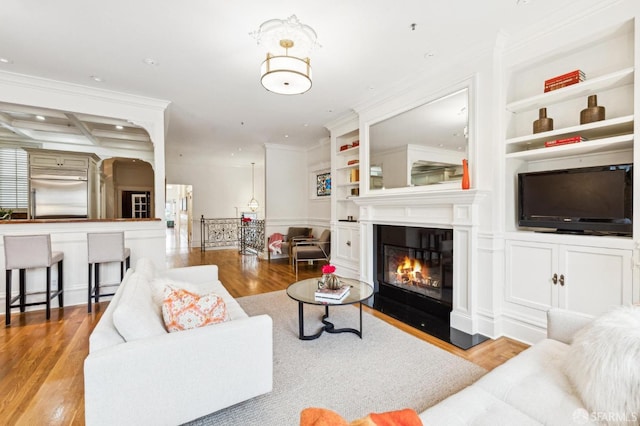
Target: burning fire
x: 409, y: 271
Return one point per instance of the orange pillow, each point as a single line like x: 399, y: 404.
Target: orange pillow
x: 183, y: 310
x: 323, y: 417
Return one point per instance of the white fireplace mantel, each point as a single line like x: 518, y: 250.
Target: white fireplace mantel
x: 455, y: 209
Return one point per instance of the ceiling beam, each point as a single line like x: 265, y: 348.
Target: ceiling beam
x: 5, y: 121
x: 83, y: 129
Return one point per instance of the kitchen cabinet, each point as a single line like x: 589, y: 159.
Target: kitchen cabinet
x: 63, y: 184
x: 584, y: 278
x: 59, y: 160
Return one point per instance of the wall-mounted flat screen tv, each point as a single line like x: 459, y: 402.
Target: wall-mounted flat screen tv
x: 582, y: 200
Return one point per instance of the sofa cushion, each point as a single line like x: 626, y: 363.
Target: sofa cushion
x: 159, y: 287
x: 534, y: 382
x: 146, y: 267
x: 184, y: 310
x: 603, y: 364
x: 475, y: 406
x: 136, y: 316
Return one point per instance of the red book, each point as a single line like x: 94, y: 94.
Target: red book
x: 571, y: 74
x: 564, y: 80
x: 572, y: 139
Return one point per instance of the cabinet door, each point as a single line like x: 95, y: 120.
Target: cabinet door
x: 344, y: 243
x: 74, y: 162
x: 595, y: 279
x: 529, y: 272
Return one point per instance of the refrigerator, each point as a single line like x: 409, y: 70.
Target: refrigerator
x: 58, y: 193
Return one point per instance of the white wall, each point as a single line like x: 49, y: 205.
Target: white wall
x: 319, y: 208
x: 218, y: 192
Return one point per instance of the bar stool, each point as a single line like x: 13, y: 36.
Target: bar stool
x: 105, y: 247
x: 24, y: 252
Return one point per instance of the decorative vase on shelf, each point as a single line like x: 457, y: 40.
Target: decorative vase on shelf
x: 543, y: 123
x: 465, y: 174
x: 593, y: 112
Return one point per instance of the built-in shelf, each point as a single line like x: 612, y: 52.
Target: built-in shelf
x: 350, y: 151
x: 609, y: 81
x: 615, y: 143
x: 350, y: 166
x: 348, y: 185
x: 598, y: 129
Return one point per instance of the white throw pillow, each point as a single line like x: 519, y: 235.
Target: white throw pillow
x: 146, y: 267
x: 136, y: 316
x: 159, y: 286
x: 603, y: 365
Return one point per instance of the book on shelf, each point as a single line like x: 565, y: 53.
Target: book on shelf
x: 564, y: 80
x: 351, y: 162
x: 564, y: 141
x: 332, y: 294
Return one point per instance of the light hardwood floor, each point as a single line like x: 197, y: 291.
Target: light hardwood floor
x: 41, y: 380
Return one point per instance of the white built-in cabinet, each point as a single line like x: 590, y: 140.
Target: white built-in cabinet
x: 585, y: 278
x: 586, y: 274
x: 345, y: 182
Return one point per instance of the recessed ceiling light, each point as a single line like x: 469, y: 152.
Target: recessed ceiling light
x: 40, y: 117
x: 96, y: 78
x: 6, y: 61
x: 151, y: 61
x: 286, y: 136
x: 429, y: 54
x: 119, y: 127
x: 306, y: 124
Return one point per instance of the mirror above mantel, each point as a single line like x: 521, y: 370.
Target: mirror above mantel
x: 423, y: 146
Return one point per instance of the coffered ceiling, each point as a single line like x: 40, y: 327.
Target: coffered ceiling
x: 200, y: 56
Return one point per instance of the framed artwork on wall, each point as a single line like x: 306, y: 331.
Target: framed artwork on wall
x: 323, y: 184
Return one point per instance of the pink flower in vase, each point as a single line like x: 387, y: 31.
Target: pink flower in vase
x: 328, y: 269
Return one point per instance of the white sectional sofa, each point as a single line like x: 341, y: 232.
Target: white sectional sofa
x: 535, y: 387
x: 151, y: 377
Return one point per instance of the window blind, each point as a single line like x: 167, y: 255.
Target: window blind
x: 14, y: 178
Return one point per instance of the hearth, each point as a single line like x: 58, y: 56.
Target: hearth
x: 414, y: 279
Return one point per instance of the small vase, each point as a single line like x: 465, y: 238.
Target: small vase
x: 593, y: 112
x: 330, y: 281
x: 543, y: 123
x: 465, y: 174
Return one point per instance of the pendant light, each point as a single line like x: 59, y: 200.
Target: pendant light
x: 253, y: 203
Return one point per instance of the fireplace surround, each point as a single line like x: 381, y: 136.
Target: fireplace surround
x: 455, y: 215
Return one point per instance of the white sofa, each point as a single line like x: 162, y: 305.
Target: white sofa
x: 532, y: 388
x: 159, y: 378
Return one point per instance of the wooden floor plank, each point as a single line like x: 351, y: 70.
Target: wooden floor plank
x: 41, y: 362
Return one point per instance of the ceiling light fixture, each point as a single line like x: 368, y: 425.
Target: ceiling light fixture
x: 286, y: 74
x: 253, y: 203
x: 119, y: 127
x: 40, y: 117
x: 6, y: 61
x: 96, y: 78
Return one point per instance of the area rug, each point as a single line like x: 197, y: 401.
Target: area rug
x: 387, y: 369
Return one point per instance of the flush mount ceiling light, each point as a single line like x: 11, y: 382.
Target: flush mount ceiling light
x: 286, y: 74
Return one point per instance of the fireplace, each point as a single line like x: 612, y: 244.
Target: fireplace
x: 414, y: 271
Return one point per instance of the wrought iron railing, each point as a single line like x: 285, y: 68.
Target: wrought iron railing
x: 232, y: 232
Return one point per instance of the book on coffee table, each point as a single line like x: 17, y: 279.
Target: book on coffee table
x: 332, y: 294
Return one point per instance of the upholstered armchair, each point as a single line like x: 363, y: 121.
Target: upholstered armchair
x: 312, y: 249
x: 293, y: 235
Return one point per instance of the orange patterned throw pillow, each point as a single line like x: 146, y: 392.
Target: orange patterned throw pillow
x: 183, y: 310
x: 314, y: 416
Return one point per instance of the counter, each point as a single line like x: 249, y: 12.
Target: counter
x: 145, y: 238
